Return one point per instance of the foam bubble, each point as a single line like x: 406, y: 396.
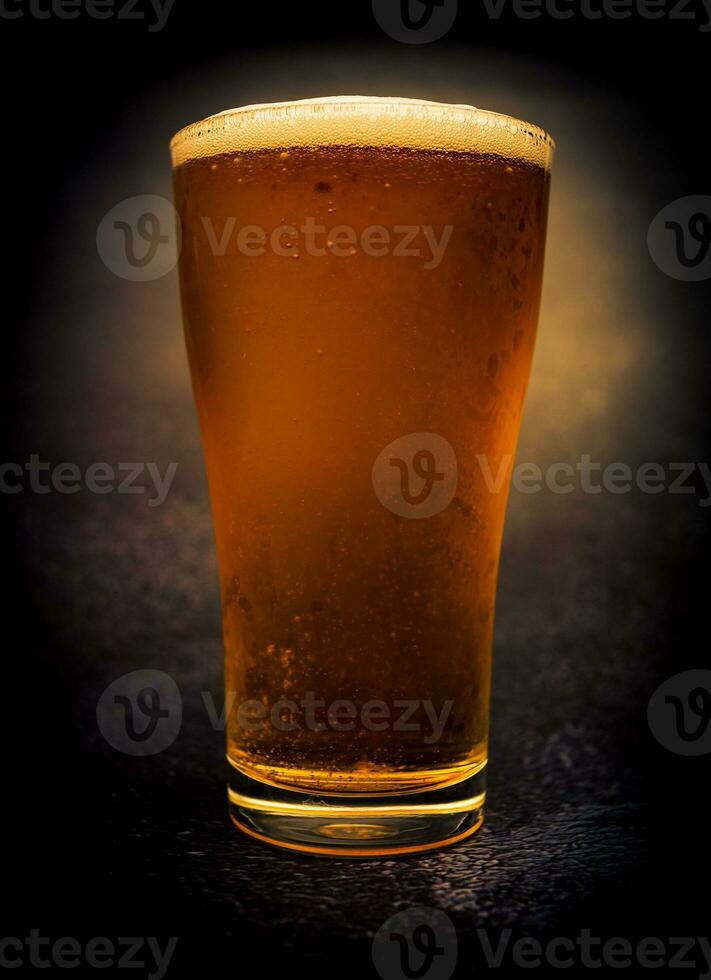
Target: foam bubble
x: 366, y: 121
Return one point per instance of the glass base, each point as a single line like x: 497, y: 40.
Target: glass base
x: 357, y: 825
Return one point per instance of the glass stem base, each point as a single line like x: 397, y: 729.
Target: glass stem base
x: 357, y: 825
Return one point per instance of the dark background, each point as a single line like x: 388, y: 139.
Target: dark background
x: 590, y: 822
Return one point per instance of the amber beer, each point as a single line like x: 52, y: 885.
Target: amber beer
x: 360, y: 283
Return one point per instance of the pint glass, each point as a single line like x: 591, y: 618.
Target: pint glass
x: 360, y: 284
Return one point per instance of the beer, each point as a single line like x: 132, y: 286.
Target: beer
x: 356, y: 275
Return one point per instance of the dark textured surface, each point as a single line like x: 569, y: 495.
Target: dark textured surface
x: 579, y: 792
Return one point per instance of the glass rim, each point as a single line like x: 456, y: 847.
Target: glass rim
x: 367, y: 121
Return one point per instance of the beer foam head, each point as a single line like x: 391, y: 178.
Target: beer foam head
x: 366, y: 121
